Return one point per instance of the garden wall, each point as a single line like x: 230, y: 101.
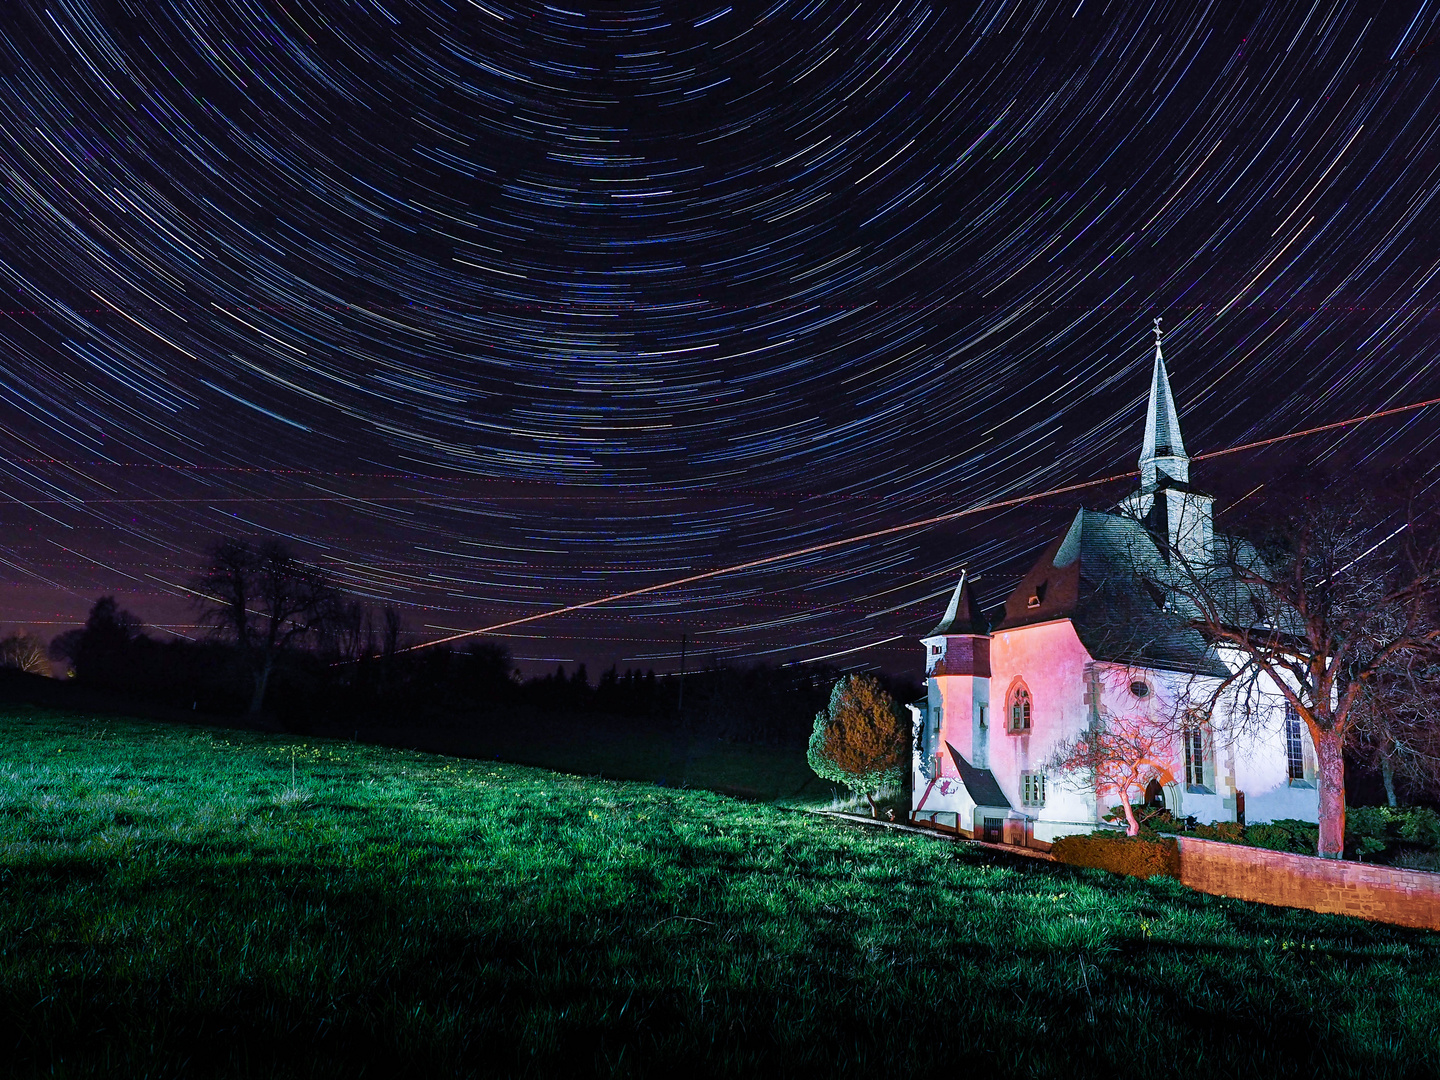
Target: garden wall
x: 1385, y: 893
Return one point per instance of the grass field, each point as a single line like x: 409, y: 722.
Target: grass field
x: 186, y: 902
x: 621, y: 750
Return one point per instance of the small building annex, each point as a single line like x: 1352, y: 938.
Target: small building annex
x: 1078, y: 643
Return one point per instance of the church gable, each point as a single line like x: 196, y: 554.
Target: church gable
x: 1089, y: 576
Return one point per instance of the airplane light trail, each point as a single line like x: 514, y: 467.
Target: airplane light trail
x: 875, y: 534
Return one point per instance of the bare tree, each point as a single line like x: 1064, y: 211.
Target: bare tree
x: 1115, y: 754
x: 23, y: 651
x: 1327, y: 602
x: 266, y: 600
x: 1399, y: 725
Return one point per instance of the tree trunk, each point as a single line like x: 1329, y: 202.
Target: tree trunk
x: 1132, y: 826
x: 874, y: 806
x: 1330, y: 775
x: 262, y: 680
x: 1387, y: 774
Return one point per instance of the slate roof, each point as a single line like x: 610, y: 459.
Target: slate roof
x: 1089, y: 576
x: 1162, y: 422
x: 984, y: 789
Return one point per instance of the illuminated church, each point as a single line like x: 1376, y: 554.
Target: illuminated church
x: 1078, y: 642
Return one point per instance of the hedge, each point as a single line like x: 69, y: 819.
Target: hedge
x: 1120, y: 854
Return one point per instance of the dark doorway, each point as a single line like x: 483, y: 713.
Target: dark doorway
x: 994, y: 830
x: 1240, y: 808
x: 1155, y: 794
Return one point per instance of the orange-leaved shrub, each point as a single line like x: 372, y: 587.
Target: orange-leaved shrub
x: 861, y: 740
x: 1120, y: 854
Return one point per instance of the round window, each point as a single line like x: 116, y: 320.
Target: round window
x: 1140, y: 689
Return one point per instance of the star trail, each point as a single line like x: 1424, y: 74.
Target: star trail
x: 493, y: 308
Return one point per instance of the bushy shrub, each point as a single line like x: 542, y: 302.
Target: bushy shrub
x: 861, y: 740
x: 1285, y: 834
x: 1382, y: 833
x: 1120, y: 854
x: 1230, y: 832
x: 1421, y: 826
x: 1418, y: 860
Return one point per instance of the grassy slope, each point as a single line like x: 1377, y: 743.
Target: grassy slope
x: 622, y: 750
x: 174, y: 905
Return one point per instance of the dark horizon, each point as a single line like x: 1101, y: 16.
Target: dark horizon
x: 494, y: 310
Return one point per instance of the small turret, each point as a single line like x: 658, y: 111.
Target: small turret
x: 957, y: 670
x: 963, y: 616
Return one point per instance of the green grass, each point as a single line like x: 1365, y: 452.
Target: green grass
x: 623, y: 750
x: 175, y: 904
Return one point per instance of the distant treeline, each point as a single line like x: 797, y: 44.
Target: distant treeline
x: 367, y: 680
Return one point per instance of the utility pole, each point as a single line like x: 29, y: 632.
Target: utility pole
x: 680, y: 698
x: 680, y: 741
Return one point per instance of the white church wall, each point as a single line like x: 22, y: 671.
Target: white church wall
x: 1253, y: 720
x: 956, y: 706
x: 1244, y: 747
x: 1247, y: 757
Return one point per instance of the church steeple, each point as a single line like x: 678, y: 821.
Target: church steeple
x: 1163, y: 452
x: 1166, y: 503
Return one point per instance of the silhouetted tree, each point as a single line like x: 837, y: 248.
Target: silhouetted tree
x: 1399, y: 725
x: 486, y: 674
x: 266, y: 601
x: 98, y: 653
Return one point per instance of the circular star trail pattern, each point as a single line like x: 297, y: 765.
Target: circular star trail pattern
x: 493, y: 307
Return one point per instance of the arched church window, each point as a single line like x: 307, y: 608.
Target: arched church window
x: 1018, y: 713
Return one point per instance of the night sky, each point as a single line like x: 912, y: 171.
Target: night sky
x: 492, y: 307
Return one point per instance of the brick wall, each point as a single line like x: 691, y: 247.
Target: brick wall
x: 1385, y: 893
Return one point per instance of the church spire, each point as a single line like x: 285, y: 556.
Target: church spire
x: 1163, y: 452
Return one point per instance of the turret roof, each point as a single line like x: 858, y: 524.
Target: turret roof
x: 964, y: 615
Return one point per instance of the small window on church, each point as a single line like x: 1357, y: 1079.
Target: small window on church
x: 1294, y: 746
x: 934, y: 650
x: 1019, y: 711
x: 1032, y: 789
x: 1140, y: 688
x: 1195, y: 759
